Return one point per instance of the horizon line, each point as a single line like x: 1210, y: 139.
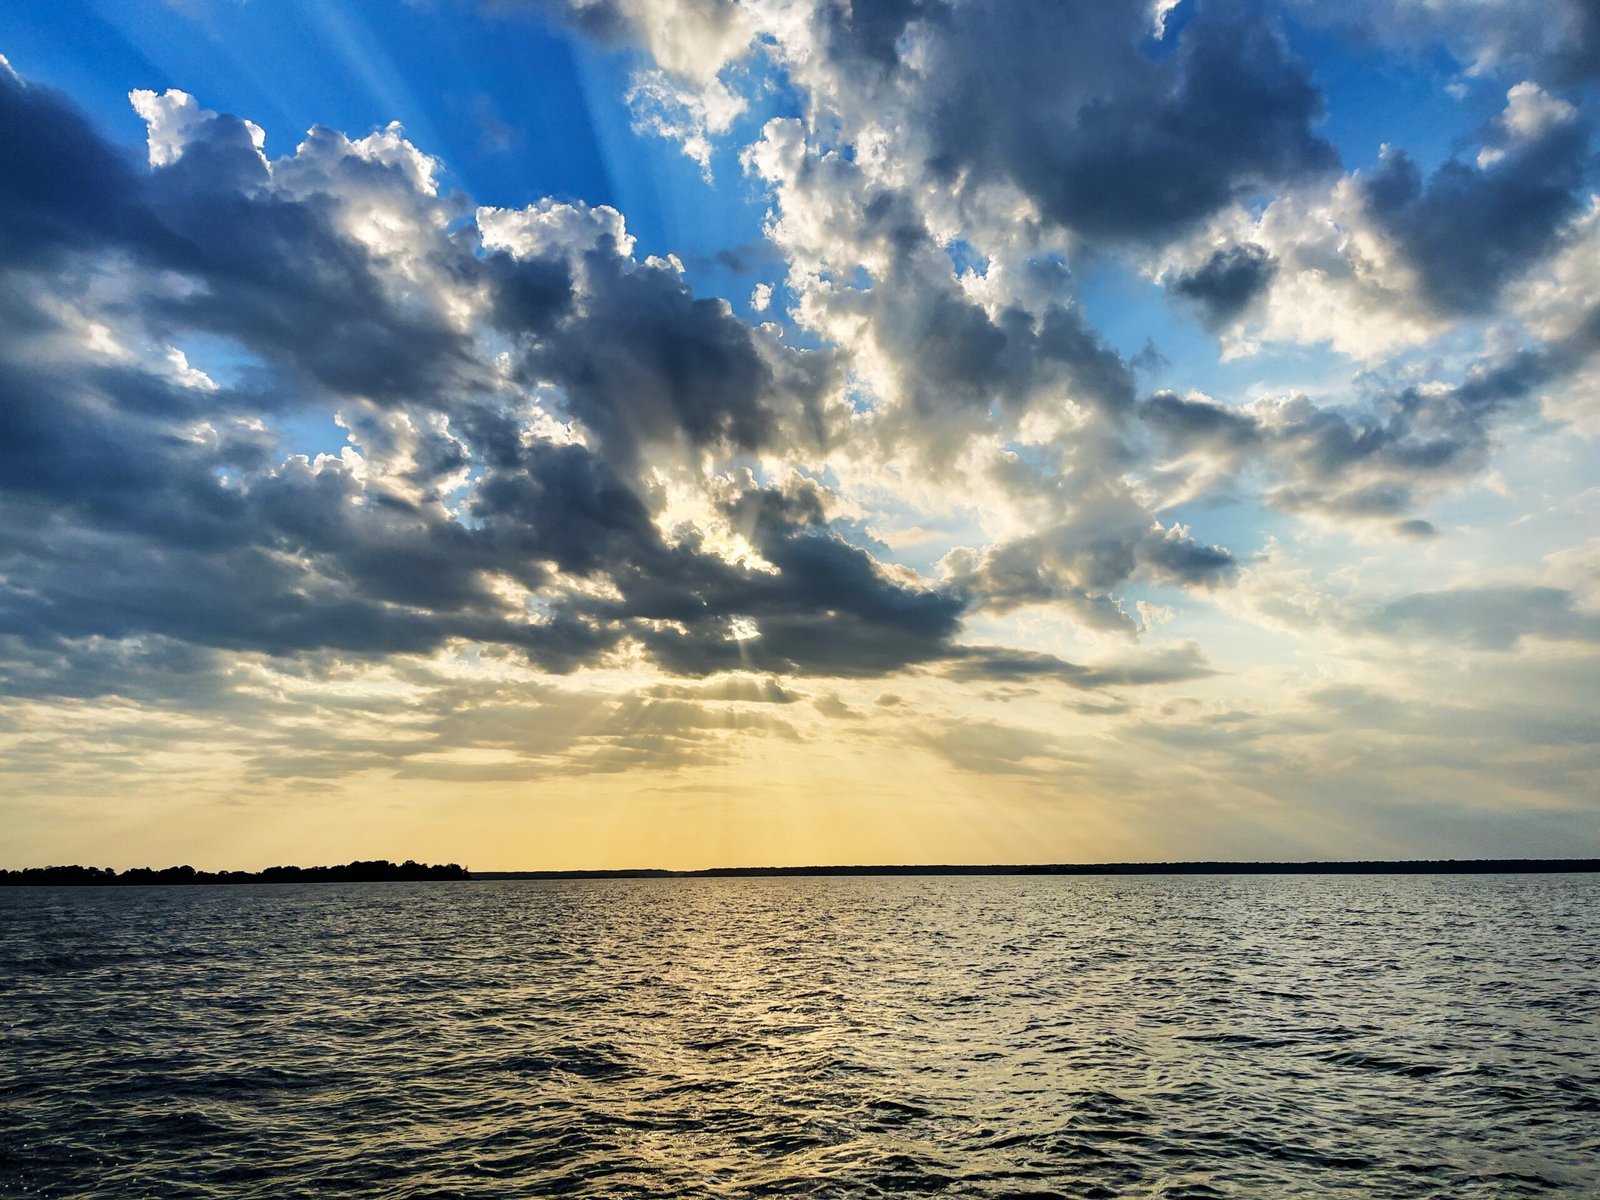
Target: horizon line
x: 383, y: 870
x: 1153, y: 867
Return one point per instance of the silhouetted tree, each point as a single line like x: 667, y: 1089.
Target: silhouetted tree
x: 374, y: 871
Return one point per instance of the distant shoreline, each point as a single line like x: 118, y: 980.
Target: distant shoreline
x: 381, y: 871
x: 377, y: 870
x: 1480, y: 866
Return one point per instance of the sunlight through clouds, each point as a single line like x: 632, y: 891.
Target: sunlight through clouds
x: 819, y: 432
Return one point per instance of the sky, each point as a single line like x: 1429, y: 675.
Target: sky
x: 685, y: 433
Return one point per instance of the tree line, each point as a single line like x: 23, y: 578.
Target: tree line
x: 378, y: 870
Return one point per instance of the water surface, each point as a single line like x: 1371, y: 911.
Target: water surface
x: 1413, y: 1036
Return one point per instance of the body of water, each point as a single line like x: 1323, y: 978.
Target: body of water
x: 1413, y: 1036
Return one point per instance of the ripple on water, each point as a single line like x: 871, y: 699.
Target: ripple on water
x: 1179, y: 1038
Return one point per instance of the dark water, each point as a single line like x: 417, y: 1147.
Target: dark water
x: 1143, y: 1037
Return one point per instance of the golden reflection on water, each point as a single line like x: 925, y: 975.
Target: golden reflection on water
x: 848, y: 1037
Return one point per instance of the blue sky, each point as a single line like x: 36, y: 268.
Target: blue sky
x: 516, y: 109
x: 1074, y: 430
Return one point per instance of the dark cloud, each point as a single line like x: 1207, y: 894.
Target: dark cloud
x: 565, y: 505
x: 1060, y: 567
x: 62, y: 187
x: 1416, y: 529
x: 306, y: 563
x: 869, y: 31
x: 1371, y: 462
x: 762, y: 514
x: 280, y: 281
x: 1095, y: 371
x: 151, y: 671
x: 828, y: 610
x: 1112, y: 143
x: 1114, y: 138
x: 1178, y: 664
x: 140, y: 505
x: 529, y: 294
x: 1577, y: 54
x: 1471, y: 229
x: 836, y: 709
x: 1172, y: 556
x: 1079, y: 562
x: 1226, y: 284
x: 265, y: 269
x: 959, y: 363
x: 645, y: 361
x: 1200, y: 424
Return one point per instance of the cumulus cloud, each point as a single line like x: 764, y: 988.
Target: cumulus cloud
x: 1061, y: 103
x: 1386, y: 259
x: 1471, y: 227
x: 449, y: 516
x: 513, y: 417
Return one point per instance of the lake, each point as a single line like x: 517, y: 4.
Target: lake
x: 1151, y: 1036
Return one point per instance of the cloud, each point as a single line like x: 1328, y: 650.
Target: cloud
x: 1109, y: 143
x: 170, y: 514
x: 1383, y: 260
x: 828, y: 610
x: 569, y: 516
x: 76, y: 191
x: 1173, y: 664
x: 1226, y: 284
x: 1172, y: 556
x: 1473, y: 227
x: 643, y: 362
x: 1559, y: 41
x: 835, y: 709
x: 693, y: 39
x: 737, y: 689
x: 1372, y: 462
x: 515, y: 411
x: 1489, y: 618
x: 1309, y: 267
x: 1079, y: 563
x: 992, y: 748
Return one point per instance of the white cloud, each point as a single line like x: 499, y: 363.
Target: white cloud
x: 1531, y: 112
x: 174, y: 118
x: 550, y: 227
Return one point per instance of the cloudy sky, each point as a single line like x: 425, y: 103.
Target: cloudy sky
x: 699, y: 432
